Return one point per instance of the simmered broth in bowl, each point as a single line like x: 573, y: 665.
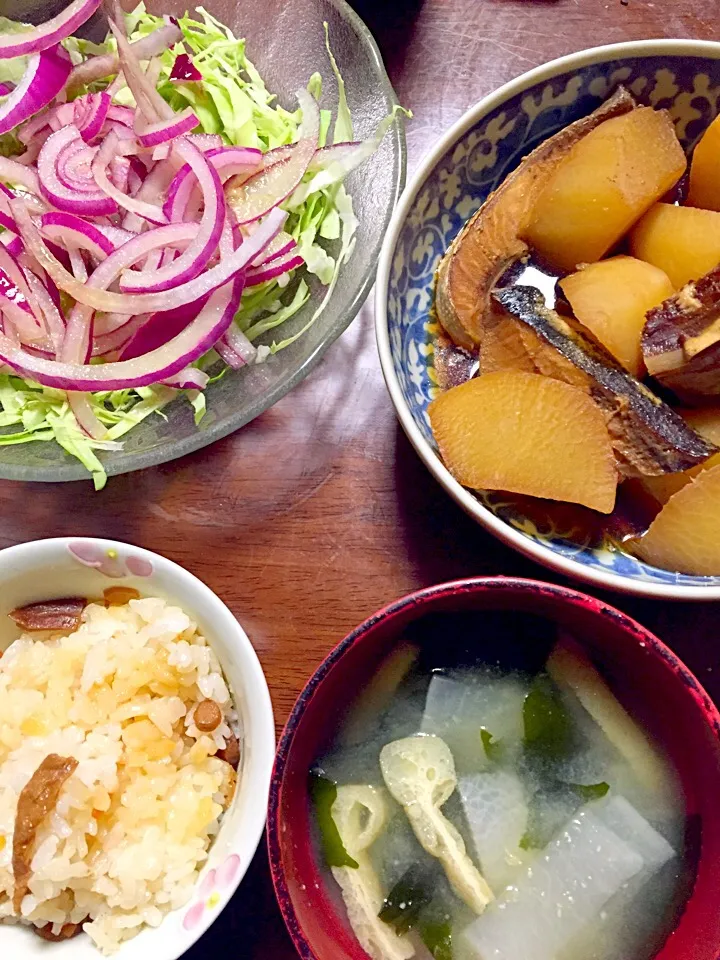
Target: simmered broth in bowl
x: 489, y: 797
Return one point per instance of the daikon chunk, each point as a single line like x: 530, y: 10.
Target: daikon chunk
x: 565, y: 888
x: 496, y: 810
x: 623, y: 819
x: 457, y: 711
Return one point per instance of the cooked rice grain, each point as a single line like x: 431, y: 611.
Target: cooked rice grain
x: 133, y: 824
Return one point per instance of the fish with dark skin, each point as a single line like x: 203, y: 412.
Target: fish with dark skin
x: 649, y: 438
x: 681, y: 339
x: 491, y: 239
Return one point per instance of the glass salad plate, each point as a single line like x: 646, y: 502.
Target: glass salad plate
x: 287, y: 46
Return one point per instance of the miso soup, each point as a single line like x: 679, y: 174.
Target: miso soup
x: 504, y: 810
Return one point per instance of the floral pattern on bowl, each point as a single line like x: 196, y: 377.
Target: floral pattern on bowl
x: 454, y: 188
x: 210, y: 892
x: 109, y: 562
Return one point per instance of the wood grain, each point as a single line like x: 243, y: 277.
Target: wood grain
x: 319, y: 512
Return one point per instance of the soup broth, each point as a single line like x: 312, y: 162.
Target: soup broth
x: 504, y: 810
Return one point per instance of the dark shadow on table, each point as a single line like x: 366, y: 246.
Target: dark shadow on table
x: 442, y: 542
x: 392, y: 23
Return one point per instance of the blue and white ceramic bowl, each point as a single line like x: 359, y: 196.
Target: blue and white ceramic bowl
x: 465, y: 166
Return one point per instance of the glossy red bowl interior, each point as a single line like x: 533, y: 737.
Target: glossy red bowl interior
x: 654, y: 683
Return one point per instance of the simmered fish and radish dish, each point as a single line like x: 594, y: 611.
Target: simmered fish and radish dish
x: 496, y: 811
x: 585, y: 295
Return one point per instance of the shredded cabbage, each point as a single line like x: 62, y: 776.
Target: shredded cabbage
x: 233, y: 101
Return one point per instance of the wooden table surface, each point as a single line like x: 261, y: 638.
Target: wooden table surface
x: 319, y: 512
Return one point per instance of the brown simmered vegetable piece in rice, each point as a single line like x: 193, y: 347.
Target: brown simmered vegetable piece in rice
x: 67, y: 932
x: 37, y: 799
x: 231, y: 753
x: 119, y: 596
x: 61, y: 614
x: 208, y: 716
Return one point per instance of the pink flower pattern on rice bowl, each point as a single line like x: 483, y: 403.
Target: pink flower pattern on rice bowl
x: 213, y: 884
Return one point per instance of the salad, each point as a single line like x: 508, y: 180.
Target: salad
x: 160, y: 211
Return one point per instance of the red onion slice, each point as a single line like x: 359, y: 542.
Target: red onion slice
x: 82, y: 107
x: 116, y: 235
x: 106, y: 153
x: 75, y: 233
x: 280, y: 246
x: 54, y: 320
x: 76, y: 344
x: 235, y: 348
x: 49, y: 33
x: 33, y: 127
x: 62, y: 116
x: 73, y: 167
x: 111, y: 302
x: 193, y: 342
x: 62, y: 197
x: 136, y: 175
x: 208, y: 141
x: 114, y: 340
x: 160, y: 328
x: 154, y: 134
x: 120, y: 173
x: 77, y: 265
x: 17, y: 301
x: 271, y: 271
x: 94, y: 115
x: 228, y: 161
x: 251, y: 199
x: 13, y: 302
x: 13, y: 245
x: 14, y: 172
x: 154, y: 185
x: 158, y: 365
x: 197, y: 256
x: 148, y: 100
x: 108, y: 64
x: 85, y: 416
x: 31, y: 154
x: 123, y: 115
x: 44, y: 78
x: 184, y: 70
x: 7, y: 222
x: 228, y: 356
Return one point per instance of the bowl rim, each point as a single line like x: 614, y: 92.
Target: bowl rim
x: 418, y: 598
x: 471, y: 505
x: 263, y: 742
x: 68, y: 469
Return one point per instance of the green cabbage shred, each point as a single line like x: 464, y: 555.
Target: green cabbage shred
x: 233, y: 101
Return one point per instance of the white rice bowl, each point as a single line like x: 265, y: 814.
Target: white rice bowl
x: 134, y: 822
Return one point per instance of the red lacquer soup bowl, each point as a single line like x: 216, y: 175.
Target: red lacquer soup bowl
x: 648, y: 678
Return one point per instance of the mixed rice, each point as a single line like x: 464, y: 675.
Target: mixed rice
x: 142, y: 788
